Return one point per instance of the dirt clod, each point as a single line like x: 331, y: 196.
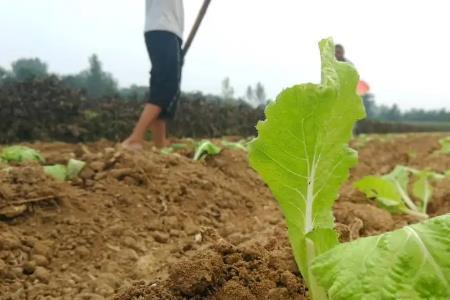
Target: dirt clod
x: 161, y: 237
x: 194, y: 276
x: 40, y: 260
x: 42, y: 274
x: 29, y: 267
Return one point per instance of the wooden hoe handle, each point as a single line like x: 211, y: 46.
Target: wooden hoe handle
x: 196, y: 26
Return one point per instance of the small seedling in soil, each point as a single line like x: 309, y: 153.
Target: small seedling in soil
x: 391, y: 191
x: 20, y: 154
x: 445, y: 145
x: 302, y: 153
x: 63, y: 173
x: 241, y: 145
x: 205, y: 148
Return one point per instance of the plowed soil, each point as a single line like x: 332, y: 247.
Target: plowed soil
x: 153, y: 226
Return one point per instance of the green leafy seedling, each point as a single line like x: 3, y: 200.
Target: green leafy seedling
x: 241, y: 145
x: 391, y: 191
x: 74, y: 168
x: 445, y: 145
x: 21, y: 154
x: 58, y: 172
x: 68, y: 172
x: 302, y: 153
x: 205, y: 148
x: 411, y: 263
x: 422, y: 188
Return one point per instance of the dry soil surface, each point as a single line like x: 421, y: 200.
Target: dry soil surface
x: 153, y: 226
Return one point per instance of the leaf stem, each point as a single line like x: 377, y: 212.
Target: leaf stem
x: 419, y: 215
x: 316, y: 292
x: 405, y: 197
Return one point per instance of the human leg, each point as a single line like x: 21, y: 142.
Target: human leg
x: 148, y: 116
x: 158, y: 128
x: 164, y: 52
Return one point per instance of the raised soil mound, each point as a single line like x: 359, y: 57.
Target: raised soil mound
x: 151, y: 226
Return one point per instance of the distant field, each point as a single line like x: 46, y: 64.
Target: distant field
x: 442, y: 126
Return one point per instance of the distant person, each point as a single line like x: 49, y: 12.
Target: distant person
x: 339, y: 52
x: 363, y: 87
x: 164, y: 28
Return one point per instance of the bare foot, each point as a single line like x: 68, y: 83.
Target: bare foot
x: 165, y: 144
x: 131, y: 145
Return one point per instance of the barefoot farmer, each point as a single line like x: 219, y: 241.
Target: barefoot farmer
x: 163, y: 36
x: 340, y: 53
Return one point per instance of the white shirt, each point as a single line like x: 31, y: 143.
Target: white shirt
x: 165, y: 15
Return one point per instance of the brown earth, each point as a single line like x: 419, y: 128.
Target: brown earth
x: 150, y: 226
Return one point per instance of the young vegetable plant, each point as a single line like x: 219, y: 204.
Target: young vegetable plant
x: 68, y: 172
x: 173, y: 148
x: 391, y: 191
x: 302, y: 153
x: 445, y: 145
x: 57, y: 172
x: 20, y: 154
x: 205, y: 148
x: 241, y: 145
x: 411, y: 263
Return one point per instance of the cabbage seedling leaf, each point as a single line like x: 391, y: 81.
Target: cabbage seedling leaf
x: 234, y: 145
x: 383, y: 191
x: 74, y: 168
x: 445, y: 145
x: 411, y: 263
x: 206, y: 148
x: 19, y: 154
x: 302, y: 153
x: 58, y: 172
x: 391, y: 191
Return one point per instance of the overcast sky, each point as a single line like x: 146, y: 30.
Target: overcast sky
x: 400, y: 47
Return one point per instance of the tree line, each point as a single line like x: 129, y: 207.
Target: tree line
x: 394, y: 114
x: 97, y: 83
x: 94, y: 80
